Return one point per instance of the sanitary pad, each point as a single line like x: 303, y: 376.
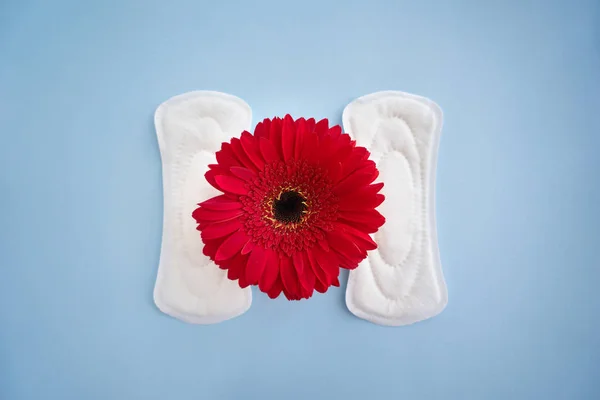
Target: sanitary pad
x: 190, y: 129
x: 402, y: 281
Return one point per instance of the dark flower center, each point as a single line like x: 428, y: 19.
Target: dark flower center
x: 289, y: 207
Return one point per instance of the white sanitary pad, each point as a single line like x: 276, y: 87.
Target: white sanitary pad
x: 190, y: 129
x: 402, y: 281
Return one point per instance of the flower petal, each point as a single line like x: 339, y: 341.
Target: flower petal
x: 324, y: 245
x: 221, y: 202
x: 343, y: 153
x: 288, y: 277
x: 316, y: 268
x: 262, y: 128
x: 271, y: 271
x: 310, y: 125
x: 275, y: 135
x: 311, y: 142
x: 268, y: 151
x: 335, y: 171
x: 250, y: 145
x: 221, y: 229
x: 240, y: 153
x: 354, y: 160
x: 210, y: 248
x: 360, y: 238
x: 218, y: 169
x: 300, y: 134
x: 355, y: 180
x: 276, y: 288
x: 372, y: 188
x: 322, y: 127
x: 231, y: 246
x: 210, y: 178
x: 205, y: 214
x: 231, y: 184
x: 242, y: 281
x: 329, y: 263
x: 225, y: 157
x: 248, y: 247
x: 345, y: 247
x: 320, y: 287
x: 288, y: 139
x: 256, y: 264
x: 326, y: 146
x: 298, y: 262
x: 335, y: 131
x: 243, y: 173
x: 360, y: 201
x: 235, y: 266
x: 368, y: 221
x: 307, y: 277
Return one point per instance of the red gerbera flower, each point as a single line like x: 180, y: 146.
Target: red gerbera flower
x: 298, y: 204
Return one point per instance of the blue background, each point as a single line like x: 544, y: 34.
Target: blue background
x: 518, y: 196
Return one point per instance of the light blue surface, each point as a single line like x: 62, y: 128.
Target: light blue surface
x: 518, y: 196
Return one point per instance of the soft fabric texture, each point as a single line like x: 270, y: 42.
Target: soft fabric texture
x: 402, y: 281
x: 190, y: 129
